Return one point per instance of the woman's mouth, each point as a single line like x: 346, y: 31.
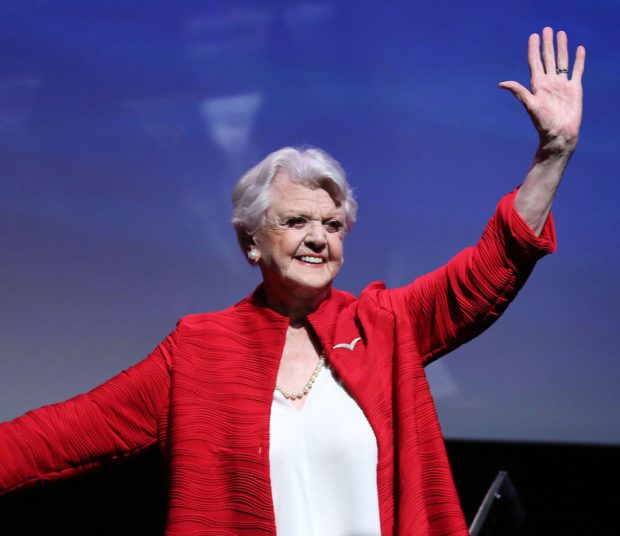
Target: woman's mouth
x: 310, y: 259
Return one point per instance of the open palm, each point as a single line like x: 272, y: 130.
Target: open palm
x: 555, y: 101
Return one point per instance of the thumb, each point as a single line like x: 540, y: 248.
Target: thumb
x: 519, y: 91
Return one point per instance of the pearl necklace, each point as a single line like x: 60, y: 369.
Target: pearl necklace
x: 306, y: 388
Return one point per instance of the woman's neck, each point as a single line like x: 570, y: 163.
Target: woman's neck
x: 296, y: 305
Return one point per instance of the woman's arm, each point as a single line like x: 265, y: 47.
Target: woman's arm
x: 555, y: 106
x: 451, y: 305
x: 456, y: 302
x: 116, y: 419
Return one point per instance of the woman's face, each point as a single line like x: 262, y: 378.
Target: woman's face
x: 300, y: 244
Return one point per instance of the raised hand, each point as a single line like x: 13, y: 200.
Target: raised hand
x: 555, y: 101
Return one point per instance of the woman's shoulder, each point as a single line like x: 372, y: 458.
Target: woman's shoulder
x: 237, y: 317
x: 201, y: 320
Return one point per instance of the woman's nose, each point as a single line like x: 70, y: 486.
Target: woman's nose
x: 316, y: 238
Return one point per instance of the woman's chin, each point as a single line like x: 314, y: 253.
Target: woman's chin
x: 313, y: 279
x: 306, y: 287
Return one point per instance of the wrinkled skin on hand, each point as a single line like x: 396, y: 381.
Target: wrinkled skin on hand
x: 554, y: 101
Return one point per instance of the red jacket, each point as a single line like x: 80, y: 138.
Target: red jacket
x: 205, y: 395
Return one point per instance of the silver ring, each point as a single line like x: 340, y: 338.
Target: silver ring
x: 561, y: 71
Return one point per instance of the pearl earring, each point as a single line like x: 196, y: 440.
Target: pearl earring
x: 253, y: 255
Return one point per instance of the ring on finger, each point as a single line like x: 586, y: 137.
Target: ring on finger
x: 561, y: 70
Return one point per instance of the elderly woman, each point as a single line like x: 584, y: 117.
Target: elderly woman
x: 304, y: 409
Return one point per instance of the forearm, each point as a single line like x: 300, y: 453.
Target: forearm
x: 59, y: 441
x: 555, y: 107
x: 117, y: 418
x: 535, y: 197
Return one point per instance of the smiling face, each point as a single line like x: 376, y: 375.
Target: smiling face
x: 300, y: 244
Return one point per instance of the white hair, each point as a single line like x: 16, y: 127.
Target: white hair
x: 309, y: 166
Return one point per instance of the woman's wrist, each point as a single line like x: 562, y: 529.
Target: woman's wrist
x: 557, y: 148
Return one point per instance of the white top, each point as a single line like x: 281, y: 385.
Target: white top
x: 323, y: 462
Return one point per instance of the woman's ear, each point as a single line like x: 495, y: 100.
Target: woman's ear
x: 248, y: 244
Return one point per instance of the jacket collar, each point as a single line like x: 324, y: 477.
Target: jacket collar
x: 322, y: 319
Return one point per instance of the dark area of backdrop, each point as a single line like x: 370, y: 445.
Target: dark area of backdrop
x: 565, y: 490
x: 124, y: 125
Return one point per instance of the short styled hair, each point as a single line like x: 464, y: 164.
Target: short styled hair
x: 309, y: 166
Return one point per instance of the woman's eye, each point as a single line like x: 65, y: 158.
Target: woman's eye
x: 295, y: 222
x: 333, y: 226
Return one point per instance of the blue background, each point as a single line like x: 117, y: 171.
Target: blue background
x: 124, y: 125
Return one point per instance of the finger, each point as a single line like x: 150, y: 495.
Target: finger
x: 562, y: 62
x: 519, y: 91
x: 547, y: 50
x: 580, y: 63
x: 533, y: 55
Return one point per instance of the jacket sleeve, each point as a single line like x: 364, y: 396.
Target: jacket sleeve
x: 453, y: 304
x: 116, y: 419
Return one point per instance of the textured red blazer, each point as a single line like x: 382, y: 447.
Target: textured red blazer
x: 205, y: 395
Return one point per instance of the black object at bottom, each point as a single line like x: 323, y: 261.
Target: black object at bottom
x: 501, y: 511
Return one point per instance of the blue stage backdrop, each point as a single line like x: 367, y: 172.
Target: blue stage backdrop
x: 124, y: 125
